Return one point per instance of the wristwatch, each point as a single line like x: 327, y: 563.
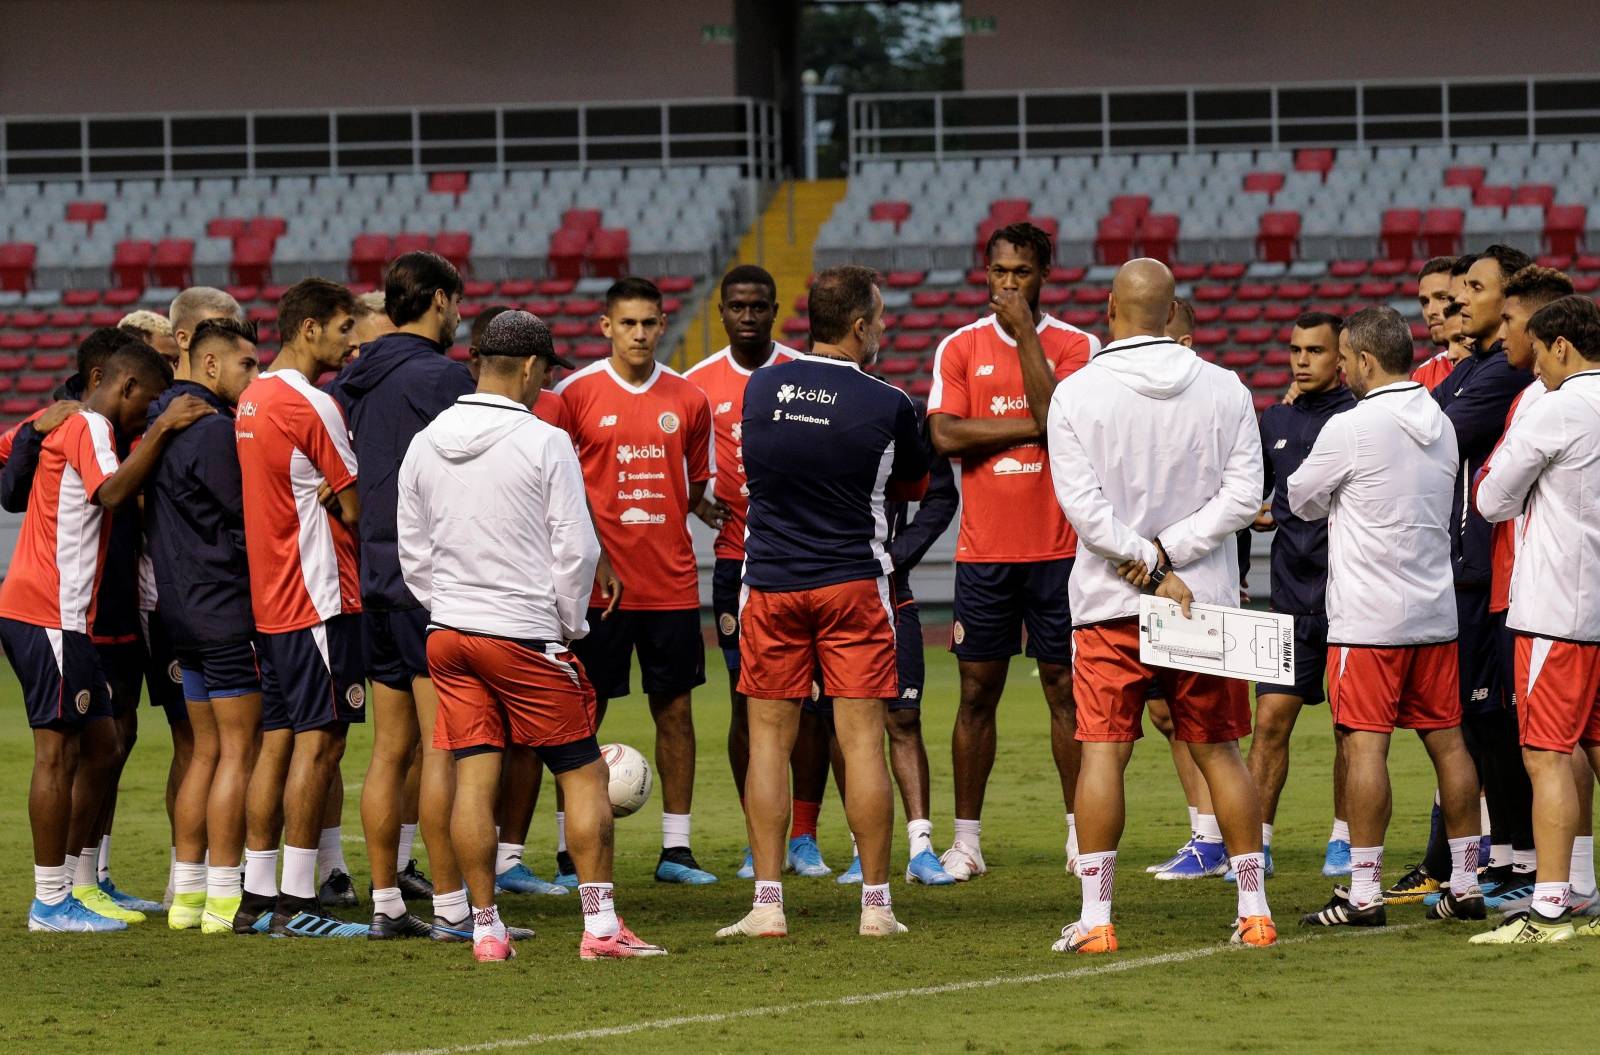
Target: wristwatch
x: 1163, y: 566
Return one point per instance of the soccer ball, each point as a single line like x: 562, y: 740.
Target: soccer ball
x: 631, y: 779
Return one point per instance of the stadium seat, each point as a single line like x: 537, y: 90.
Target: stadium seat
x: 173, y: 262
x: 1158, y: 235
x: 251, y: 264
x: 1540, y: 194
x: 1398, y: 233
x: 121, y: 297
x: 35, y: 385
x: 608, y: 252
x: 225, y: 227
x: 1136, y: 206
x: 584, y: 220
x: 1441, y: 232
x: 454, y: 183
x: 1464, y: 176
x: 1564, y: 228
x: 905, y: 279
x: 16, y: 265
x: 130, y: 263
x: 1313, y: 160
x: 971, y: 298
x: 1240, y: 358
x: 568, y: 247
x: 1113, y: 242
x: 1268, y: 183
x: 891, y: 212
x: 930, y: 298
x: 369, y: 253
x: 1279, y: 236
x: 553, y: 287
x: 912, y: 342
x: 1492, y: 197
x: 80, y: 298
x: 88, y: 213
x: 1008, y: 211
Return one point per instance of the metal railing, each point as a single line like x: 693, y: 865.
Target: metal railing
x: 955, y: 125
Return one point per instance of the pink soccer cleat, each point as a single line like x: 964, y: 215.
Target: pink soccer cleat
x: 620, y: 946
x: 493, y: 950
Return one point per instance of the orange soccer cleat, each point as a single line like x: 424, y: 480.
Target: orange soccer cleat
x: 1258, y: 931
x: 1099, y: 939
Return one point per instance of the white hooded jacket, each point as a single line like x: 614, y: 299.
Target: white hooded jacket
x: 1150, y: 441
x: 494, y: 528
x: 1384, y: 474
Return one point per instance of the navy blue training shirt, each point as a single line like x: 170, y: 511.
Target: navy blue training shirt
x: 825, y: 448
x: 1299, y: 547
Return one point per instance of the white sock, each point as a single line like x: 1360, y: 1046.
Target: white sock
x: 299, y: 871
x: 87, y: 872
x: 1581, y: 874
x: 330, y: 853
x: 919, y: 837
x: 969, y: 832
x: 1550, y: 899
x: 172, y: 862
x: 1524, y: 861
x: 1097, y: 873
x: 561, y: 832
x: 451, y: 907
x: 1250, y: 873
x: 1499, y: 855
x: 388, y: 901
x: 261, y: 872
x: 1484, y: 824
x: 507, y: 856
x: 105, y: 857
x: 599, y: 909
x: 876, y: 896
x: 50, y: 883
x: 1072, y: 836
x: 1194, y: 820
x: 1341, y: 831
x: 1463, y: 865
x: 1266, y: 835
x: 486, y: 923
x: 408, y: 839
x: 767, y: 894
x: 222, y: 882
x: 1366, y: 875
x: 1207, y: 830
x: 674, y: 830
x: 188, y: 878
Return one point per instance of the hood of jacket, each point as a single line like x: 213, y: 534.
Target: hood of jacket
x: 1151, y: 366
x: 474, y: 425
x: 380, y: 358
x: 1413, y: 408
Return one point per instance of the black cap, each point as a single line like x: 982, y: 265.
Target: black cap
x: 521, y: 334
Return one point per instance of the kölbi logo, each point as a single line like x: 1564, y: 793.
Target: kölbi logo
x: 627, y: 452
x: 787, y: 393
x: 635, y: 515
x: 1001, y: 405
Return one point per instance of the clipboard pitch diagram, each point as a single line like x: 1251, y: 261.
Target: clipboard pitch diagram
x: 1230, y: 642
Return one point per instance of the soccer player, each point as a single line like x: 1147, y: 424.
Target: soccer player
x: 1434, y: 296
x: 399, y: 383
x: 748, y: 305
x: 372, y: 321
x: 155, y: 330
x: 1383, y: 473
x: 47, y: 607
x: 825, y: 446
x: 1156, y: 461
x: 194, y: 516
x: 304, y: 593
x: 495, y: 540
x: 1546, y: 473
x: 992, y: 382
x: 1299, y: 573
x: 644, y: 436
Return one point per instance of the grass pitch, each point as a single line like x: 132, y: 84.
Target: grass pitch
x: 977, y: 960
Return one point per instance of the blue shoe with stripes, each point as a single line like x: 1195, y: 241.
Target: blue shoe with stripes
x: 301, y: 918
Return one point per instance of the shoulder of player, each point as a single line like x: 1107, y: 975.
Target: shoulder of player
x: 580, y: 379
x: 1070, y: 333
x: 709, y: 365
x: 962, y: 337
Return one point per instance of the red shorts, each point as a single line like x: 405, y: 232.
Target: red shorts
x: 1110, y: 685
x: 1374, y: 690
x: 846, y: 631
x: 1558, y: 692
x: 492, y: 689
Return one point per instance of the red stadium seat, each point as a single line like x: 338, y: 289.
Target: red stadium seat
x: 796, y: 326
x: 1225, y: 272
x: 15, y: 342
x: 460, y: 353
x: 516, y: 287
x: 1158, y: 235
x: 1492, y: 197
x: 1419, y: 332
x: 1375, y: 290
x: 954, y: 320
x: 448, y: 182
x: 1253, y: 334
x: 1441, y: 231
x: 410, y: 242
x: 10, y: 364
x: 16, y: 265
x: 585, y: 308
x: 899, y: 367
x: 920, y: 320
x: 1253, y: 291
x: 266, y: 227
x: 54, y: 362
x: 1089, y: 295
x: 1463, y: 176
x: 70, y: 319
x: 80, y: 298
x: 1277, y: 357
x: 1188, y: 272
x: 890, y: 321
x: 106, y: 317
x: 19, y: 408
x: 1240, y: 358
x: 920, y: 387
x: 1113, y: 243
x: 368, y: 255
x: 273, y: 294
x: 1293, y: 291
x: 1083, y: 317
x: 1059, y: 274
x: 1269, y: 379
x: 1210, y: 335
x: 1241, y: 313
x: 474, y: 289
x: 591, y: 349
x: 553, y: 287
x: 1136, y: 206
x: 543, y: 308
x: 1563, y: 228
x: 225, y: 227
x: 1585, y: 283
x: 569, y: 329
x: 173, y: 262
x: 912, y: 342
x: 1394, y: 268
x: 585, y: 220
x: 906, y: 279
x: 1048, y: 224
x: 1008, y: 211
x: 35, y: 385
x: 1051, y: 296
x: 608, y: 252
x: 895, y: 212
x: 1313, y: 160
x: 972, y: 298
x: 675, y: 283
x: 930, y: 298
x: 1268, y: 183
x: 568, y: 246
x: 85, y: 212
x: 120, y: 297
x: 1347, y: 269
x: 1279, y: 236
x: 1213, y: 293
x: 130, y: 263
x: 1540, y: 194
x: 1281, y: 312
x: 1398, y: 235
x: 252, y: 261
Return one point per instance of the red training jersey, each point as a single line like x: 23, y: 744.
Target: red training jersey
x: 722, y: 379
x: 551, y: 409
x: 1008, y: 504
x: 640, y: 449
x: 55, y: 569
x: 1433, y: 372
x: 291, y: 437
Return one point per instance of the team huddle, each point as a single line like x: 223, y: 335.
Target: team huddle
x: 366, y: 526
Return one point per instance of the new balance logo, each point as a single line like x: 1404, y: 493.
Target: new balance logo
x: 627, y: 452
x: 607, y: 421
x: 1001, y: 405
x: 1479, y: 695
x: 724, y: 407
x: 984, y: 371
x: 789, y: 393
x: 1280, y: 445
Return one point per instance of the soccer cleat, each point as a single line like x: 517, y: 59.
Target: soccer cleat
x: 1198, y: 860
x: 338, y: 891
x: 1448, y: 906
x: 1336, y: 861
x: 1257, y: 931
x: 1075, y: 939
x: 186, y: 910
x: 853, y: 873
x: 219, y: 914
x: 1338, y: 912
x: 805, y: 858
x: 1171, y: 861
x: 622, y: 945
x: 254, y: 915
x: 962, y: 862
x: 877, y: 921
x: 1526, y: 928
x: 1588, y: 927
x: 443, y: 930
x: 69, y: 916
x: 519, y: 879
x: 748, y: 869
x: 677, y: 865
x: 297, y: 917
x: 923, y: 868
x: 414, y: 886
x: 490, y: 949
x: 1511, y: 897
x: 1413, y: 887
x: 128, y: 901
x: 387, y: 928
x: 1266, y: 851
x: 566, y: 871
x: 96, y: 900
x: 762, y: 921
x: 1584, y: 904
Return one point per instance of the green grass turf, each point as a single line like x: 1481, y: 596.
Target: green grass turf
x: 1420, y: 989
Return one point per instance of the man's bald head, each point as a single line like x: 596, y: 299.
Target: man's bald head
x: 1141, y: 299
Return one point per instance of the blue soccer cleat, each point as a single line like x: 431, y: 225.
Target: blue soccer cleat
x: 748, y: 869
x: 923, y: 868
x: 128, y: 901
x: 805, y: 858
x: 1229, y: 877
x: 519, y: 879
x: 304, y: 924
x: 69, y: 917
x: 1172, y: 861
x: 677, y: 865
x: 566, y: 871
x: 1514, y: 895
x: 853, y: 873
x: 1336, y: 860
x: 1199, y: 860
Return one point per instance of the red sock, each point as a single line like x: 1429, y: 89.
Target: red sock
x: 805, y: 819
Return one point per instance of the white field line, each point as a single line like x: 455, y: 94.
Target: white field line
x: 855, y: 1000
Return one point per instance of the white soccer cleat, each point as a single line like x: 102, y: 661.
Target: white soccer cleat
x: 962, y: 861
x: 877, y: 921
x: 763, y: 921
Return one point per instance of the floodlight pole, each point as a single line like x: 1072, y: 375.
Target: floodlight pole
x: 810, y: 86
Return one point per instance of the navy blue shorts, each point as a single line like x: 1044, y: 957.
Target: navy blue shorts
x: 123, y: 665
x: 1485, y: 681
x: 394, y: 645
x: 1310, y: 662
x: 220, y: 672
x: 312, y: 678
x: 62, y: 683
x: 726, y: 577
x: 672, y: 655
x: 163, y: 677
x: 995, y: 602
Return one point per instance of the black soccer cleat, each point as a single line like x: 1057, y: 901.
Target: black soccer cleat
x: 338, y: 891
x: 1338, y: 912
x: 414, y: 886
x: 385, y: 928
x: 254, y: 915
x: 1469, y: 906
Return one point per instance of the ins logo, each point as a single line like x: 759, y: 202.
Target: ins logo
x: 1012, y: 467
x: 788, y: 393
x: 635, y: 515
x: 627, y: 452
x: 1001, y: 405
